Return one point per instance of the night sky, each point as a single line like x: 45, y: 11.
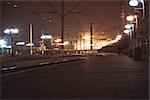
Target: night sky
x: 104, y: 14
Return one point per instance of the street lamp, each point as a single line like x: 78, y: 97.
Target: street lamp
x: 133, y: 19
x: 20, y: 44
x: 130, y: 30
x: 128, y: 26
x: 11, y: 32
x: 130, y: 18
x: 127, y: 31
x: 45, y: 37
x: 29, y: 44
x: 136, y: 9
x: 135, y: 3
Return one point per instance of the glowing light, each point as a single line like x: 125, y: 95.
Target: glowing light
x: 46, y: 37
x: 11, y: 30
x: 20, y: 43
x: 15, y: 6
x: 130, y: 18
x: 118, y: 37
x: 86, y: 37
x: 126, y: 31
x: 66, y: 43
x: 8, y: 47
x: 14, y: 30
x: 57, y: 40
x: 85, y: 44
x: 3, y: 43
x: 7, y: 31
x: 133, y: 3
x: 29, y: 44
x: 128, y: 26
x: 50, y: 21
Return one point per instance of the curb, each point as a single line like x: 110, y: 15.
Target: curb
x: 12, y: 69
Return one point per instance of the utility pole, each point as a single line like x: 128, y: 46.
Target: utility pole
x: 62, y: 16
x: 12, y: 44
x: 91, y: 35
x: 91, y: 29
x: 62, y: 28
x: 76, y: 43
x: 31, y: 38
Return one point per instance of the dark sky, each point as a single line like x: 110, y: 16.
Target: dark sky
x: 105, y: 16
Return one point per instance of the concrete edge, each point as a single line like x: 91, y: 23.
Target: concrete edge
x: 15, y: 68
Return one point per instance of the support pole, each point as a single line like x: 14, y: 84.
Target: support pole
x: 12, y: 44
x: 31, y: 38
x: 62, y: 28
x: 91, y: 35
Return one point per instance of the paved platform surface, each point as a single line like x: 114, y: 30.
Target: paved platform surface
x: 109, y: 77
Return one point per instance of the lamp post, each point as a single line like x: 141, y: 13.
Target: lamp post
x: 126, y: 31
x: 130, y: 30
x: 91, y: 34
x: 31, y: 38
x: 136, y: 45
x: 11, y: 32
x: 46, y: 37
x: 135, y: 3
x: 136, y: 9
x: 30, y: 45
x: 133, y: 20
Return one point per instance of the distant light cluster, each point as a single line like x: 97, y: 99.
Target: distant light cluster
x: 85, y: 44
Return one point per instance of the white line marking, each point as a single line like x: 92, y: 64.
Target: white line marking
x: 56, y: 61
x: 12, y: 67
x: 65, y: 60
x: 5, y: 68
x: 42, y: 63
